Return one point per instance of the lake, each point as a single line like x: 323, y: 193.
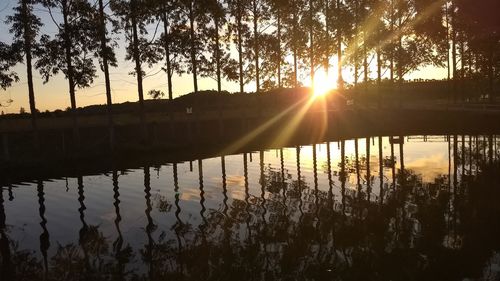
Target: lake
x: 377, y: 208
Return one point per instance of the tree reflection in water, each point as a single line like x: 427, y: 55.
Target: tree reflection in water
x: 447, y: 229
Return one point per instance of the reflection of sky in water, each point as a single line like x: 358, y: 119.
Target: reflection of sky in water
x: 63, y: 208
x: 428, y: 159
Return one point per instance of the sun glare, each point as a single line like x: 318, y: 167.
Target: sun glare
x: 323, y: 83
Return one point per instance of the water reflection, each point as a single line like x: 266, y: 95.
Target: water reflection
x: 120, y: 253
x: 343, y: 211
x: 4, y: 241
x: 44, y: 237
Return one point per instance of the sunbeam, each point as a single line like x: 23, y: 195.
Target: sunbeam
x: 245, y: 140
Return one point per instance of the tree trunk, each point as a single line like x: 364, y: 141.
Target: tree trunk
x: 379, y: 66
x: 356, y: 44
x: 240, y: 47
x: 311, y: 39
x: 392, y: 20
x: 391, y: 67
x: 447, y: 20
x: 295, y: 62
x: 70, y: 75
x: 167, y: 55
x: 138, y: 69
x: 295, y: 69
x: 217, y: 54
x: 453, y: 41
x: 454, y: 49
x: 400, y: 57
x: 462, y: 65
x: 29, y: 71
x: 340, y: 80
x: 279, y: 46
x: 193, y: 48
x: 379, y: 75
x: 104, y: 55
x: 327, y: 40
x: 256, y: 45
x: 399, y: 53
x: 365, y: 60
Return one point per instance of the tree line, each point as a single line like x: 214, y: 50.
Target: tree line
x: 266, y: 43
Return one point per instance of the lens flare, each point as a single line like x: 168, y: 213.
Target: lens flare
x: 323, y: 83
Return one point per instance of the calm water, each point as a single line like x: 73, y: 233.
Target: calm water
x: 351, y: 210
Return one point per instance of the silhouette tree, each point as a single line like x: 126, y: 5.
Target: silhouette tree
x: 270, y: 69
x: 133, y: 17
x: 339, y: 19
x: 353, y: 36
x: 294, y: 39
x: 388, y: 48
x: 239, y: 29
x: 25, y: 26
x: 412, y: 51
x: 193, y: 11
x: 70, y: 50
x: 171, y: 40
x: 325, y: 34
x: 375, y: 39
x: 107, y: 58
x: 431, y: 32
x: 314, y: 27
x: 257, y: 12
x: 219, y: 64
x: 481, y: 28
x: 278, y: 10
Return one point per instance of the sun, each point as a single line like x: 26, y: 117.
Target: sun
x: 323, y: 83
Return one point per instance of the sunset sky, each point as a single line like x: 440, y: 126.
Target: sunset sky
x: 54, y: 94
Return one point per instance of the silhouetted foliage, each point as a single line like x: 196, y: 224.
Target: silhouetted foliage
x: 8, y: 58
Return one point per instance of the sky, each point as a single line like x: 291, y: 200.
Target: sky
x: 54, y: 94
